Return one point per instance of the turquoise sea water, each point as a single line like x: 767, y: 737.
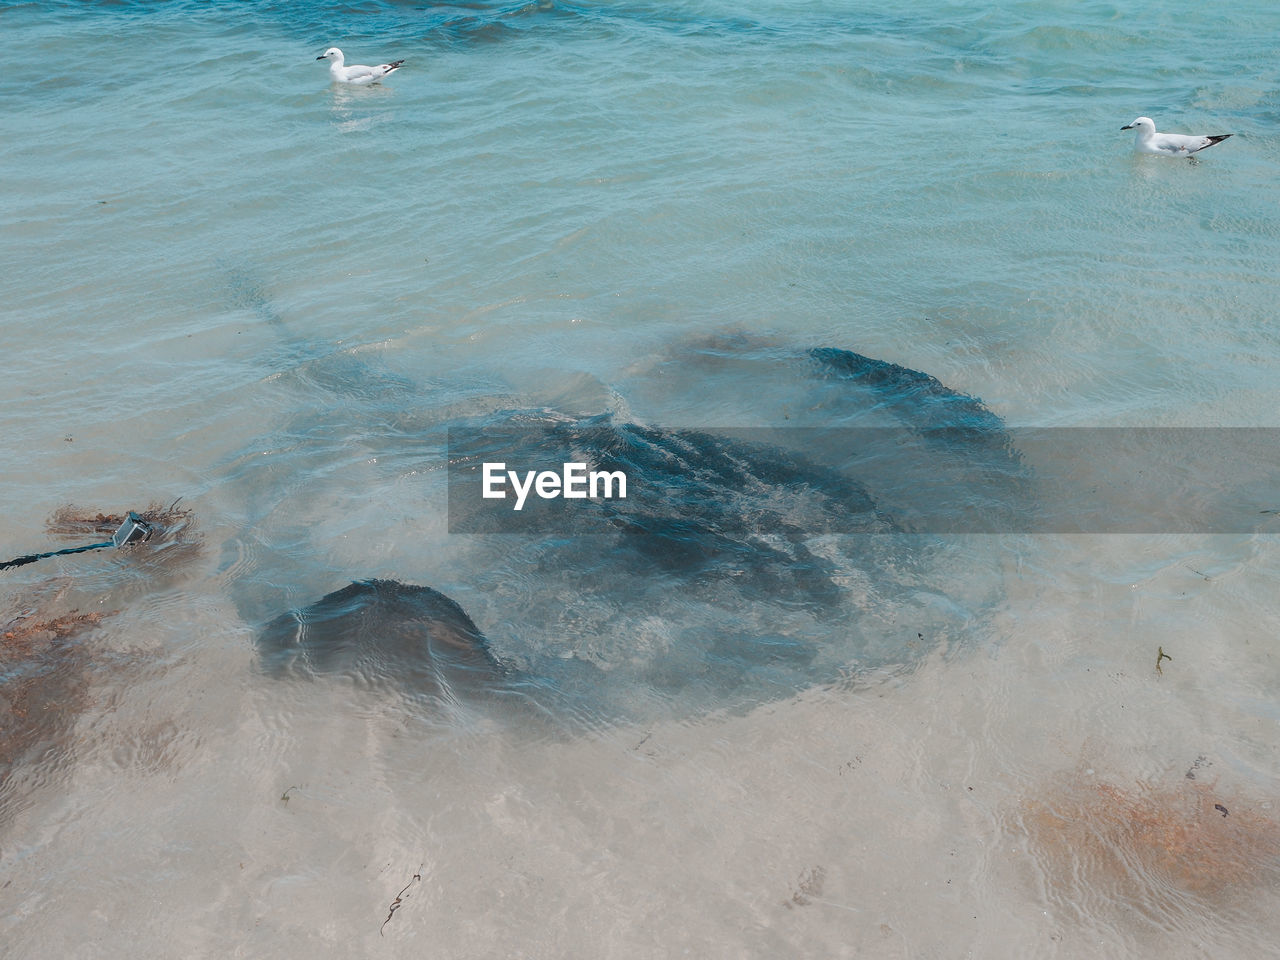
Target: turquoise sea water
x: 227, y: 280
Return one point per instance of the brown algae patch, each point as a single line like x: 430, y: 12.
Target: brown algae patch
x: 45, y: 667
x: 1141, y: 840
x: 47, y: 662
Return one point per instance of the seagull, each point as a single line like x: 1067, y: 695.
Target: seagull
x: 356, y: 73
x: 1167, y: 144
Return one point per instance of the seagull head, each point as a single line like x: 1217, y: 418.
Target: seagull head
x: 1142, y: 123
x: 333, y: 53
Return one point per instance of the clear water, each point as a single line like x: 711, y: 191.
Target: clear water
x: 228, y: 281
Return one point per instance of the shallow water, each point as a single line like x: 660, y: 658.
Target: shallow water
x: 227, y: 281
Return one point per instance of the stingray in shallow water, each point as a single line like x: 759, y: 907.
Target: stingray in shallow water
x: 741, y: 568
x: 703, y: 509
x: 382, y: 630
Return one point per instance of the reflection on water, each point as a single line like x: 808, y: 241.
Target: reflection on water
x: 355, y: 109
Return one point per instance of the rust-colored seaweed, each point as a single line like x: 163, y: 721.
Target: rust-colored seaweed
x: 23, y: 636
x: 1185, y: 833
x: 46, y: 670
x: 46, y: 660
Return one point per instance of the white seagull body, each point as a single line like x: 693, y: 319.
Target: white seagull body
x: 356, y: 73
x: 1146, y: 140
